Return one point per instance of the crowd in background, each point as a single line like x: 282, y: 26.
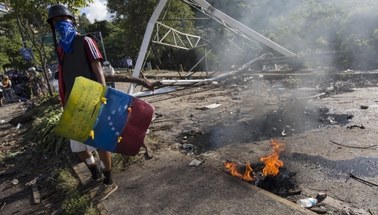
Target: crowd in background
x: 19, y: 85
x: 22, y: 85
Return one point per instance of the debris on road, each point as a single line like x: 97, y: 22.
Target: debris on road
x: 195, y: 162
x: 14, y: 181
x: 355, y: 147
x: 207, y: 107
x: 371, y: 184
x: 364, y: 107
x: 307, y: 202
x: 355, y: 126
x: 36, y: 194
x: 321, y: 196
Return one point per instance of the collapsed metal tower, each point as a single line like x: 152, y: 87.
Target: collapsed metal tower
x: 186, y: 41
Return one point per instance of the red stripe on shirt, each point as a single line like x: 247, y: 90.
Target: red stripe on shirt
x: 91, y: 48
x: 60, y: 72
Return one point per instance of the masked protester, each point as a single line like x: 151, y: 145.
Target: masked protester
x: 79, y: 55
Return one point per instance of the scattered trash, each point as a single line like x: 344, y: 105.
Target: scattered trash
x: 195, y: 162
x: 149, y: 153
x: 371, y: 184
x: 212, y: 106
x: 162, y: 90
x: 32, y: 181
x: 14, y: 181
x: 189, y: 148
x: 18, y: 126
x: 364, y: 107
x: 2, y: 121
x: 321, y: 196
x: 3, y: 205
x: 355, y: 126
x: 36, y: 194
x: 283, y: 133
x: 355, y: 147
x: 307, y: 202
x: 332, y: 120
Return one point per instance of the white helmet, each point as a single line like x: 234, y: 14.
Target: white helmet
x: 106, y: 63
x: 32, y: 69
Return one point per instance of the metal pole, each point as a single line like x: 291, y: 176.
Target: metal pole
x: 207, y: 70
x: 103, y: 47
x: 146, y: 41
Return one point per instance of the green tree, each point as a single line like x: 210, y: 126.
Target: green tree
x: 10, y: 41
x: 105, y: 27
x: 31, y: 15
x: 132, y: 16
x: 83, y: 21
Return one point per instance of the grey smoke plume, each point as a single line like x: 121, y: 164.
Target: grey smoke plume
x: 348, y: 27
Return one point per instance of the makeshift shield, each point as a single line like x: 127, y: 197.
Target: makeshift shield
x: 105, y: 118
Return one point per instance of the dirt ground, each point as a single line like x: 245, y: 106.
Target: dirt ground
x: 326, y: 119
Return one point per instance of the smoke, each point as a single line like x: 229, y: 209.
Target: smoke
x: 97, y: 11
x: 347, y: 27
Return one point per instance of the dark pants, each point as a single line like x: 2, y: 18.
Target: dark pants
x: 8, y: 95
x: 1, y: 98
x: 110, y: 84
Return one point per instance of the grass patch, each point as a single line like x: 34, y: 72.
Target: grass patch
x: 65, y: 182
x: 78, y: 204
x: 74, y: 202
x: 120, y: 162
x: 46, y: 115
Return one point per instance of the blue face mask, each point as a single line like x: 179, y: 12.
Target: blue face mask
x: 67, y: 33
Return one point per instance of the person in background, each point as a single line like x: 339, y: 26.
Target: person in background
x: 108, y: 71
x: 1, y: 95
x: 129, y: 64
x: 78, y: 55
x: 34, y: 83
x: 6, y: 86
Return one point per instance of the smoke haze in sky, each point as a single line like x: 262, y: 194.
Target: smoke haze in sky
x: 97, y: 10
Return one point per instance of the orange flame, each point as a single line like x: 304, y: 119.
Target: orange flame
x: 232, y: 168
x: 248, y: 172
x: 272, y: 162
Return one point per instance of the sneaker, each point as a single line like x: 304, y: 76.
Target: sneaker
x: 104, y: 192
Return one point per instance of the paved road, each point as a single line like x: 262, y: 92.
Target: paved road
x: 168, y: 185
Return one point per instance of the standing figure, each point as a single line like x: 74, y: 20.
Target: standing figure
x: 6, y: 86
x: 34, y: 83
x: 1, y: 96
x: 129, y: 64
x: 79, y: 56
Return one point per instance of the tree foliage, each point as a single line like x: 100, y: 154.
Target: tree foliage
x: 132, y: 16
x: 347, y: 27
x: 27, y: 28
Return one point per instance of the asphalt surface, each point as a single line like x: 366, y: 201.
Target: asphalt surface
x: 167, y: 184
